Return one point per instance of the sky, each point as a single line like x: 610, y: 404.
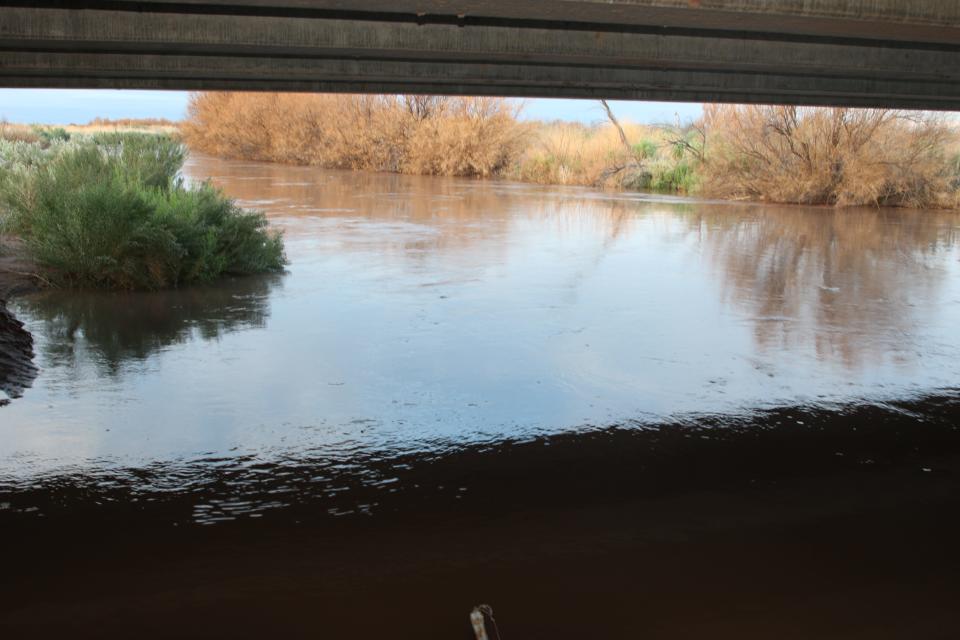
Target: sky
x: 66, y: 106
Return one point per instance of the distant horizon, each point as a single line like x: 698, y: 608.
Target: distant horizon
x: 80, y: 106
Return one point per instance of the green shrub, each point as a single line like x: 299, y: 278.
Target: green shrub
x: 111, y: 212
x: 48, y: 135
x: 217, y: 236
x: 154, y: 160
x: 645, y: 149
x: 675, y: 177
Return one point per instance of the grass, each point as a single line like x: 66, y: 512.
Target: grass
x: 159, y: 126
x: 109, y: 211
x: 572, y: 153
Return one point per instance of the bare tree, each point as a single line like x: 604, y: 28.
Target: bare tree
x: 424, y: 107
x: 616, y: 124
x: 634, y: 159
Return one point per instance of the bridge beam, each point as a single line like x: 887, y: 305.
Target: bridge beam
x: 806, y: 52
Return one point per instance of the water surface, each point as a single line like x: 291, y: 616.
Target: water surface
x: 419, y: 312
x: 663, y: 418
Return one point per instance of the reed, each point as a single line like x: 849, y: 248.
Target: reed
x: 578, y: 154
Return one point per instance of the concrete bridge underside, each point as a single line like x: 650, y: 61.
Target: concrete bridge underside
x: 860, y: 52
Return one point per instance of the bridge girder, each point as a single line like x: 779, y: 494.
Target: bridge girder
x: 861, y: 53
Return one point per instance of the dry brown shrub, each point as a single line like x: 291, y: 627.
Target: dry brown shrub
x: 465, y: 137
x: 836, y: 156
x: 426, y: 135
x: 411, y: 134
x: 578, y: 154
x: 17, y: 133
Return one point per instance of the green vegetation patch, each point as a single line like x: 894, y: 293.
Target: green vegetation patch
x: 110, y: 211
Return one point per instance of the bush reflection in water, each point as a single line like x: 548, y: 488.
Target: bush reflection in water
x: 111, y: 329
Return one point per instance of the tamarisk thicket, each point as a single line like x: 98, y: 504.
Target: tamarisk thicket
x: 428, y: 135
x: 805, y: 155
x: 832, y: 156
x: 474, y: 137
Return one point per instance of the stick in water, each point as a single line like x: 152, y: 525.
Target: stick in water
x: 476, y: 619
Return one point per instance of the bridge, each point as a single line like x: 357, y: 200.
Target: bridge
x: 821, y: 52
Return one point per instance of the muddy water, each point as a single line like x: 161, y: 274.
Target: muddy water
x: 607, y: 414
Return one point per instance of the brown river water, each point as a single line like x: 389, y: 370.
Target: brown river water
x: 606, y: 415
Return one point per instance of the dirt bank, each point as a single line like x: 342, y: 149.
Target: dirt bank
x: 18, y: 273
x: 17, y: 370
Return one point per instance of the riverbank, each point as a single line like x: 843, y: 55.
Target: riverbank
x: 781, y: 154
x: 17, y: 277
x: 435, y: 135
x: 19, y: 273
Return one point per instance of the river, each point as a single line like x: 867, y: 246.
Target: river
x: 605, y: 413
